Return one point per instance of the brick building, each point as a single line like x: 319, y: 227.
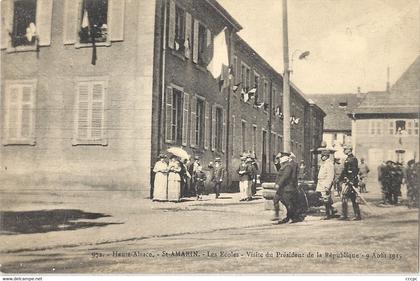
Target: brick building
x: 385, y: 125
x: 68, y: 117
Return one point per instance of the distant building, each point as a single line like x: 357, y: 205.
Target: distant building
x: 385, y: 125
x: 337, y: 123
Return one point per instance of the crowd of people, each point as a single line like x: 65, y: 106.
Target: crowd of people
x: 176, y: 178
x: 391, y: 175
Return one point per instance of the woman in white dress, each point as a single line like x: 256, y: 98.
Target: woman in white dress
x: 160, y: 190
x: 174, y: 179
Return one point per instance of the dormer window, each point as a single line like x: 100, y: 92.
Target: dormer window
x: 24, y: 23
x: 94, y: 23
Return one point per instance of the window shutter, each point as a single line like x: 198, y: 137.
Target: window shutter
x: 224, y: 131
x: 186, y: 104
x: 82, y: 124
x: 72, y: 9
x: 116, y: 10
x: 195, y: 44
x: 188, y: 33
x: 209, y: 46
x: 233, y: 134
x: 26, y: 113
x: 97, y: 115
x: 193, y: 120
x: 213, y: 128
x: 207, y: 131
x: 171, y: 27
x: 43, y: 21
x: 168, y: 123
x: 12, y: 113
x: 6, y: 22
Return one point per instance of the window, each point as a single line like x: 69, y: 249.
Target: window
x: 243, y: 76
x: 19, y: 112
x: 248, y: 78
x: 254, y: 138
x: 266, y: 94
x: 219, y: 129
x: 179, y: 29
x: 94, y: 21
x: 257, y: 86
x: 236, y: 69
x: 202, y: 45
x: 399, y: 126
x: 409, y: 128
x: 243, y: 135
x: 24, y: 23
x: 416, y: 127
x: 376, y: 127
x: 391, y: 129
x: 177, y: 116
x: 200, y: 126
x: 89, y: 125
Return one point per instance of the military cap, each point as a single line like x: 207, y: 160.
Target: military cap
x: 325, y: 152
x: 282, y: 153
x: 411, y: 162
x: 217, y: 159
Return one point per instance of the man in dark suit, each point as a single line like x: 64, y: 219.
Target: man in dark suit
x: 219, y: 174
x: 286, y: 184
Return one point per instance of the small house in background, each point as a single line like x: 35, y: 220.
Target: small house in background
x: 385, y: 125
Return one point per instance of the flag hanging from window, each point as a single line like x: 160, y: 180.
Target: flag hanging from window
x: 219, y: 64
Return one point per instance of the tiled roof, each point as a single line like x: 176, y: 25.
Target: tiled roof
x: 403, y: 97
x: 336, y: 107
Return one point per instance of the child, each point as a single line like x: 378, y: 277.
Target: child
x: 200, y: 178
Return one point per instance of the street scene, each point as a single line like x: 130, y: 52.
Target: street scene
x: 191, y: 136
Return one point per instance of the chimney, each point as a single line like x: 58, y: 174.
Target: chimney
x: 387, y: 79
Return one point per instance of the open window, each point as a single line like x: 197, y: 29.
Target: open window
x: 24, y: 23
x: 399, y: 126
x: 94, y: 21
x: 179, y: 29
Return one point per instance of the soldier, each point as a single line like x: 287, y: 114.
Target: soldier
x: 325, y: 182
x: 412, y: 183
x: 254, y: 168
x: 219, y: 174
x: 396, y: 181
x: 349, y: 177
x: 363, y: 174
x: 381, y: 173
x: 287, y: 193
x: 387, y: 175
x: 192, y: 169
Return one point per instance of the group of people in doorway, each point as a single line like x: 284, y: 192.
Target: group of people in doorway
x: 176, y: 178
x: 391, y: 175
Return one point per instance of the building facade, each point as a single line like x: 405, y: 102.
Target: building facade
x: 386, y: 124
x: 93, y: 90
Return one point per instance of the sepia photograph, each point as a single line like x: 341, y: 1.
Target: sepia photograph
x: 209, y: 137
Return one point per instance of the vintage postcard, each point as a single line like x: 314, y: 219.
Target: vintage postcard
x: 209, y: 137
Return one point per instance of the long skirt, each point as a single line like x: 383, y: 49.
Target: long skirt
x: 174, y: 187
x: 245, y: 189
x: 160, y: 190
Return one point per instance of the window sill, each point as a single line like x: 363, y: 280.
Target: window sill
x: 79, y: 45
x: 31, y: 48
x: 19, y: 142
x: 77, y: 142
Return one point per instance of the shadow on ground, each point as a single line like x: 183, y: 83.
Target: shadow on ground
x: 42, y: 221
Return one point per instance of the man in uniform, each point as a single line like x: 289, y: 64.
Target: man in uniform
x: 219, y: 174
x: 396, y: 179
x: 412, y: 181
x: 287, y: 193
x: 325, y: 182
x: 381, y: 181
x: 363, y: 174
x: 349, y: 177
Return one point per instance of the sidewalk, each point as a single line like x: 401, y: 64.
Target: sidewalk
x: 131, y: 217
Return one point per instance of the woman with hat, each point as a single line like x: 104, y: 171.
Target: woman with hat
x: 160, y: 190
x: 174, y: 179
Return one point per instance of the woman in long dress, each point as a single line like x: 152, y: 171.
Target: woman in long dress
x: 160, y: 191
x: 174, y: 180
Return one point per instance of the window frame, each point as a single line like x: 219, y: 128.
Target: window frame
x: 200, y: 133
x: 19, y: 140
x: 78, y: 44
x: 76, y: 140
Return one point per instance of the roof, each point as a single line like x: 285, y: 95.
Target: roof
x: 225, y: 14
x: 403, y: 96
x: 337, y: 107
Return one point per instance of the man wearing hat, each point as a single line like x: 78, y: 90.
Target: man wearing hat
x: 219, y: 174
x: 286, y: 184
x: 349, y: 176
x: 412, y: 181
x: 192, y: 169
x: 325, y: 182
x: 245, y: 176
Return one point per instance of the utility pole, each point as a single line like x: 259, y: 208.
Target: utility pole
x: 286, y: 86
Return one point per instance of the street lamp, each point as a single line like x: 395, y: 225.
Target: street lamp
x: 302, y: 56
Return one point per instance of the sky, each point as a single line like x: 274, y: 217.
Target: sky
x: 351, y: 42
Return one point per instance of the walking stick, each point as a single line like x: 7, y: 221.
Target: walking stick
x: 360, y: 196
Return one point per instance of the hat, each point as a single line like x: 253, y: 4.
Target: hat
x: 347, y: 147
x: 217, y: 159
x: 210, y: 165
x: 282, y: 153
x: 197, y: 157
x: 411, y: 162
x: 243, y: 157
x: 325, y: 152
x: 161, y: 155
x: 248, y: 159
